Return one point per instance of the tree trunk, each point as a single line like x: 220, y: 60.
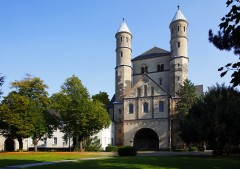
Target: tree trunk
x: 20, y: 141
x: 35, y: 143
x: 80, y: 146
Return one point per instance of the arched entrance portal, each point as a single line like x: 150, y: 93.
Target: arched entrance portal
x: 146, y: 139
x: 9, y: 144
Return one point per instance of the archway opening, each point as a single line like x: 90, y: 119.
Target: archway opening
x: 9, y: 144
x: 146, y: 139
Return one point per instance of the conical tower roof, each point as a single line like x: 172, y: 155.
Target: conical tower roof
x: 179, y: 16
x: 124, y: 27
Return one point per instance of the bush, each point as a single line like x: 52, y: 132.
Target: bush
x: 92, y: 144
x: 111, y: 149
x: 193, y: 148
x: 127, y: 151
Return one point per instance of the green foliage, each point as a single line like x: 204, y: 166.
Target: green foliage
x: 127, y: 151
x: 80, y: 116
x: 111, y: 148
x: 228, y: 39
x: 214, y: 120
x: 187, y: 98
x: 193, y: 148
x: 92, y: 144
x: 101, y: 97
x: 23, y: 113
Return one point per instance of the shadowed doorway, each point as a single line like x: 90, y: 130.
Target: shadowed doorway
x: 146, y: 139
x: 9, y: 144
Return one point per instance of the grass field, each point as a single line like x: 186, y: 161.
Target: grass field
x: 18, y: 158
x: 119, y: 162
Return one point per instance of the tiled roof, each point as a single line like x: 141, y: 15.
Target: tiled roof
x: 152, y: 53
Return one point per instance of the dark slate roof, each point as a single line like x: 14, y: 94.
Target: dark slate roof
x: 112, y: 100
x: 152, y: 53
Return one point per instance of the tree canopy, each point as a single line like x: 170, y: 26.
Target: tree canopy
x: 214, y: 119
x: 101, y: 97
x: 24, y: 111
x: 81, y: 117
x: 228, y: 39
x: 187, y: 98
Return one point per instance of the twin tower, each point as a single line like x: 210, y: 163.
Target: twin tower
x: 178, y: 59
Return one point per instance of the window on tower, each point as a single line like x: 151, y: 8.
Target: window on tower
x: 126, y: 39
x: 178, y: 27
x: 121, y: 39
x: 178, y: 44
x: 184, y: 28
x: 121, y: 54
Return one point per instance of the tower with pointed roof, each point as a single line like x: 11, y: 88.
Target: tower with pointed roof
x: 123, y: 70
x: 179, y: 50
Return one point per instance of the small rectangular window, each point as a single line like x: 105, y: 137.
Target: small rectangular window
x: 178, y: 44
x: 55, y: 140
x: 152, y: 91
x: 139, y: 91
x: 145, y: 90
x: 119, y: 111
x: 161, y: 106
x: 160, y: 81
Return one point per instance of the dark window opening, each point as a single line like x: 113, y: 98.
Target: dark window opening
x: 139, y: 91
x: 160, y: 81
x: 178, y: 28
x: 130, y: 108
x: 152, y: 91
x: 119, y: 111
x: 161, y: 106
x: 178, y: 44
x: 145, y: 107
x: 145, y: 90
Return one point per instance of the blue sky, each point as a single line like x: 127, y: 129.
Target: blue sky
x: 54, y: 39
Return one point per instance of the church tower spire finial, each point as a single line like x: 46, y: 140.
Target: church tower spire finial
x: 178, y: 7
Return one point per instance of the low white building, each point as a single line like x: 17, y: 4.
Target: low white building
x: 56, y: 141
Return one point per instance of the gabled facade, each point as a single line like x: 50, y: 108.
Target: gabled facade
x: 146, y: 87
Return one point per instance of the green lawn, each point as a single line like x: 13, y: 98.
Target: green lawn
x: 18, y: 158
x: 118, y: 162
x: 150, y: 163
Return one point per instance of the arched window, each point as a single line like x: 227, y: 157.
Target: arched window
x: 162, y: 67
x: 121, y: 54
x: 130, y: 108
x: 184, y: 28
x: 126, y: 39
x: 161, y: 106
x: 146, y: 69
x: 178, y: 27
x: 178, y: 44
x: 142, y: 70
x: 145, y: 107
x: 158, y: 68
x: 121, y: 38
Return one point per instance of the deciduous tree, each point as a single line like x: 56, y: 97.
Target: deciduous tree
x: 24, y: 111
x: 81, y: 117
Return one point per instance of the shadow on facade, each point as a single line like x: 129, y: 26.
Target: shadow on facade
x: 9, y: 144
x: 146, y: 139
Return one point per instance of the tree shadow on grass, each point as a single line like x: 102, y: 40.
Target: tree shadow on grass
x: 10, y: 162
x: 150, y: 163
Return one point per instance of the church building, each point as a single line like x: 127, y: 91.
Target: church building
x: 146, y: 86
